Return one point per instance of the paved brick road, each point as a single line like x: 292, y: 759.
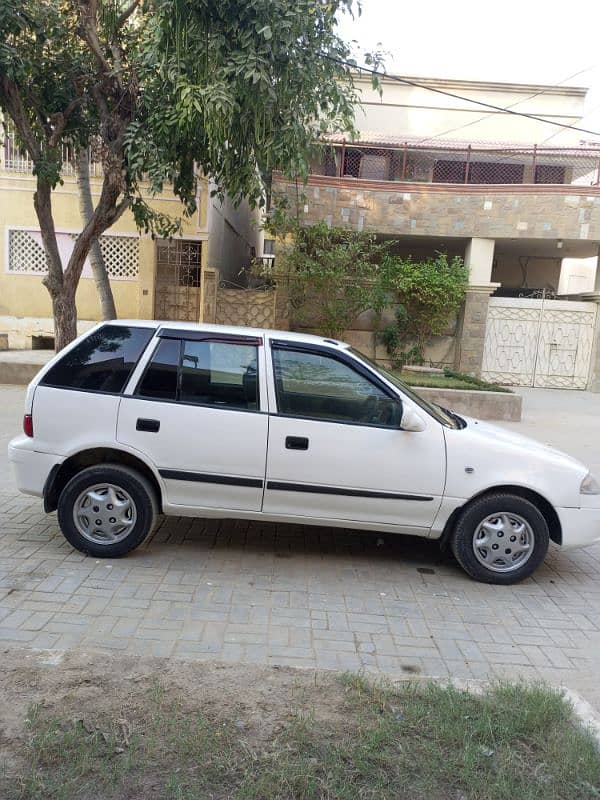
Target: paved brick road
x: 277, y: 594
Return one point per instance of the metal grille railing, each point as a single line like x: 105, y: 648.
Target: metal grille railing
x: 466, y: 165
x: 17, y: 160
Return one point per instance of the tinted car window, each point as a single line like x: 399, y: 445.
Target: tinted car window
x: 102, y: 362
x: 220, y: 374
x: 160, y: 379
x: 322, y: 387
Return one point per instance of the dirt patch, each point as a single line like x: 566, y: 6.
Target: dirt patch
x: 95, y: 687
x: 96, y: 726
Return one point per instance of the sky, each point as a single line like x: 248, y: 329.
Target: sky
x: 523, y: 41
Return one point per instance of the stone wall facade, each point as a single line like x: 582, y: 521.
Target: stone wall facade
x: 569, y: 212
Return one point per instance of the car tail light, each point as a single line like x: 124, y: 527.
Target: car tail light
x: 28, y: 425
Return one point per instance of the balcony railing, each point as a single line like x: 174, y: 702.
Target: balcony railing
x: 16, y: 160
x: 460, y: 164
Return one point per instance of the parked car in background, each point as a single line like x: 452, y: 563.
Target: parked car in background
x: 136, y: 418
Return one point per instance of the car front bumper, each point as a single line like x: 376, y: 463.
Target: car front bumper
x: 31, y: 468
x: 580, y: 526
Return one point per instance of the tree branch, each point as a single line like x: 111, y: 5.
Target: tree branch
x: 12, y: 101
x: 90, y: 33
x: 106, y: 212
x: 60, y: 121
x: 126, y: 14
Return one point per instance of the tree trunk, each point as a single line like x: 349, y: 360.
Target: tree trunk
x: 86, y: 208
x: 62, y: 295
x: 64, y: 311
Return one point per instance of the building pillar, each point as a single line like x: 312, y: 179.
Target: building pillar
x: 146, y: 277
x: 208, y: 295
x: 470, y: 335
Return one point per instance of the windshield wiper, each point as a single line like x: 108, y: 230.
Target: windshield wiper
x: 459, y: 420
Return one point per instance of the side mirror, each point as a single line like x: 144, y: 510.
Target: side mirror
x: 411, y: 420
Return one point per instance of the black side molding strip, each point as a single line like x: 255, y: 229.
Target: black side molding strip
x: 283, y: 486
x: 203, y: 477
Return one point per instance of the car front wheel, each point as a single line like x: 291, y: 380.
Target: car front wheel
x: 500, y: 538
x: 107, y: 510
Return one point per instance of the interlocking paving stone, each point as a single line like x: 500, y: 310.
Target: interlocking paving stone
x: 209, y: 589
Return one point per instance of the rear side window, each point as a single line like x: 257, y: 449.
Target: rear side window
x: 219, y: 374
x: 102, y: 362
x: 208, y: 373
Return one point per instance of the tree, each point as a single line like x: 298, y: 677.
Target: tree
x: 86, y: 209
x: 331, y: 275
x: 235, y: 89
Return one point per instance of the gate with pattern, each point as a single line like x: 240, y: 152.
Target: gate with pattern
x: 538, y: 342
x: 178, y: 275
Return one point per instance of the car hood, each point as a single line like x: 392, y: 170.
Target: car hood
x: 487, y: 430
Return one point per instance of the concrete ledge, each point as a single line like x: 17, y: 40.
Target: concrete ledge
x: 20, y: 366
x: 482, y: 405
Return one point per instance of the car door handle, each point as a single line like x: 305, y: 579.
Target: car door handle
x: 148, y: 425
x: 296, y: 443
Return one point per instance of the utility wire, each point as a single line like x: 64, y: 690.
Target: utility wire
x: 512, y: 105
x: 491, y: 106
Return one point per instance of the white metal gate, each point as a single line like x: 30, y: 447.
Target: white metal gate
x: 532, y: 342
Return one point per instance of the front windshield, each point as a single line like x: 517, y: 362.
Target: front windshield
x: 440, y: 414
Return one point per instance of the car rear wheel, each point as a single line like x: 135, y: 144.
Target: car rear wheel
x: 107, y: 510
x: 500, y: 538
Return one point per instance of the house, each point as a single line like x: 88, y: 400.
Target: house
x: 517, y: 198
x: 150, y: 279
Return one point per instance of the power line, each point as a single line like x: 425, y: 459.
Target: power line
x: 491, y: 106
x: 512, y: 105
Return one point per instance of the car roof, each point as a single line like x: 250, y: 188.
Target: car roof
x: 238, y: 330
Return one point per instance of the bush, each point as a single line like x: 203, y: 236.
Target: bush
x: 331, y: 275
x: 429, y: 295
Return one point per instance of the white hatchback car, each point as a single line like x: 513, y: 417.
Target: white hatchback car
x: 137, y: 417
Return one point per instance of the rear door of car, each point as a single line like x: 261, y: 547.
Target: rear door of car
x: 199, y: 413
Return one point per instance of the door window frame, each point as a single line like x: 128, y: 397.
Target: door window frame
x: 342, y: 358
x: 182, y: 335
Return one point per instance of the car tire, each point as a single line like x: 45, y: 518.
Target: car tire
x: 500, y: 538
x: 95, y: 525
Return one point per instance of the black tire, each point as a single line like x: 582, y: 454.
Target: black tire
x: 462, y: 540
x: 135, y: 485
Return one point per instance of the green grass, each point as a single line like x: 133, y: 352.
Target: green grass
x: 344, y: 739
x: 450, y: 380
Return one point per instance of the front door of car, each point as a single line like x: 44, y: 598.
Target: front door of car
x: 336, y: 450
x: 196, y: 415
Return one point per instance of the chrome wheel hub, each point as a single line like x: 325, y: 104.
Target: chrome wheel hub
x: 104, y: 514
x: 503, y: 542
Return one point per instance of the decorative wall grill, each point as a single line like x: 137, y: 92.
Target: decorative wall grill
x: 26, y: 254
x: 252, y: 307
x: 121, y: 256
